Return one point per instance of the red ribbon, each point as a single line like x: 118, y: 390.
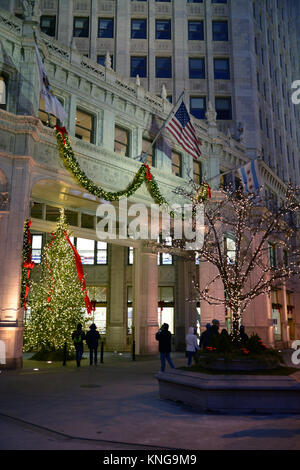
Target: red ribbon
x: 63, y: 132
x: 148, y: 173
x: 161, y: 304
x: 80, y: 274
x: 208, y: 190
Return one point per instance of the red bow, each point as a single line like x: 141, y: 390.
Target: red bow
x: 148, y: 173
x: 63, y: 132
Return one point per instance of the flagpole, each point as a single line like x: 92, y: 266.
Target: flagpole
x: 144, y: 157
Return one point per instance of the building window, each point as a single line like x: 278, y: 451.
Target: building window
x: 101, y: 254
x: 48, y: 25
x: 198, y: 107
x: 81, y: 27
x: 221, y: 69
x: 195, y: 31
x: 84, y: 129
x: 195, y: 1
x: 220, y: 30
x: 86, y: 250
x: 36, y: 248
x: 138, y: 66
x: 272, y: 255
x: 197, y: 172
x: 176, y: 164
x: 165, y: 307
x: 163, y: 67
x: 229, y: 249
x: 121, y: 146
x: 163, y: 29
x: 138, y: 29
x: 87, y: 221
x: 151, y: 154
x: 101, y: 60
x: 105, y: 28
x: 3, y: 88
x: 47, y: 119
x: 218, y: 1
x: 130, y: 255
x: 223, y: 108
x: 196, y: 68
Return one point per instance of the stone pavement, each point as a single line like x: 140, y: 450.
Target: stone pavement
x: 116, y: 406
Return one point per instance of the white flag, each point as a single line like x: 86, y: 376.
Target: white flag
x: 52, y: 104
x: 250, y: 177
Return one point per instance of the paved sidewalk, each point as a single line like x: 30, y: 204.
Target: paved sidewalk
x: 116, y: 405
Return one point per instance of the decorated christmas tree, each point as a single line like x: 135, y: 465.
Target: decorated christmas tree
x: 58, y: 301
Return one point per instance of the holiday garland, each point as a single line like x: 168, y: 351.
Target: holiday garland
x: 142, y: 175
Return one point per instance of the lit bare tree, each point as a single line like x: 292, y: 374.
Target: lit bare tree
x: 253, y: 221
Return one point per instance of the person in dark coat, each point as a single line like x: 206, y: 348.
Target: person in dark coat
x: 163, y: 336
x: 205, y: 337
x: 92, y: 339
x: 78, y: 336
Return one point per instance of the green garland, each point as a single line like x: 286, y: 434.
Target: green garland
x: 142, y: 175
x: 68, y: 157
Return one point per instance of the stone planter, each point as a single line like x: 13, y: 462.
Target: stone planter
x: 231, y: 393
x: 239, y: 365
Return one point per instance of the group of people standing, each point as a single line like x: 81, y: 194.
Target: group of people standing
x: 163, y: 336
x: 91, y: 338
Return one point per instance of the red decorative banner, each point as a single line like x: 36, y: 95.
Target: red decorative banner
x: 80, y: 274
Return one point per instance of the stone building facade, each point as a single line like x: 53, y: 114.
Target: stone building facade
x: 110, y: 120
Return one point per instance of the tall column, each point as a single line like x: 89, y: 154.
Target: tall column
x: 117, y: 310
x: 185, y: 312
x: 145, y: 300
x: 284, y: 317
x: 65, y: 22
x: 122, y: 28
x: 11, y: 244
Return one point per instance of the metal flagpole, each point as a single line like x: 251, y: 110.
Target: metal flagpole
x: 144, y: 157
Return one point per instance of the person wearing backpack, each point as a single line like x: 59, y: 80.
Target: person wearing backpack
x: 92, y: 338
x: 78, y: 336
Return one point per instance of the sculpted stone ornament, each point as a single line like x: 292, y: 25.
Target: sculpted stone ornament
x: 211, y: 115
x: 107, y: 61
x: 163, y: 92
x: 31, y: 9
x: 240, y: 133
x: 137, y: 80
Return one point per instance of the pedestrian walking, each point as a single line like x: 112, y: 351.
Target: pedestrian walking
x: 191, y: 344
x: 205, y: 337
x: 78, y: 336
x: 163, y: 336
x: 92, y: 339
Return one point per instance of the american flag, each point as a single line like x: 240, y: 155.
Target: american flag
x: 183, y: 130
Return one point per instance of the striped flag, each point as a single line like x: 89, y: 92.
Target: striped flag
x: 52, y: 104
x: 183, y: 130
x: 249, y: 175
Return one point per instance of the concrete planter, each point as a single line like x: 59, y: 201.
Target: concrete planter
x: 231, y: 393
x: 239, y: 365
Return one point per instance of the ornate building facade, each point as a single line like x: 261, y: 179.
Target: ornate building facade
x: 111, y: 120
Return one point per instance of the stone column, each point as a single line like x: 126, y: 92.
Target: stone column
x: 145, y: 300
x: 11, y: 245
x: 122, y: 28
x: 65, y: 22
x: 284, y: 317
x: 117, y: 309
x: 185, y: 312
x: 93, y: 30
